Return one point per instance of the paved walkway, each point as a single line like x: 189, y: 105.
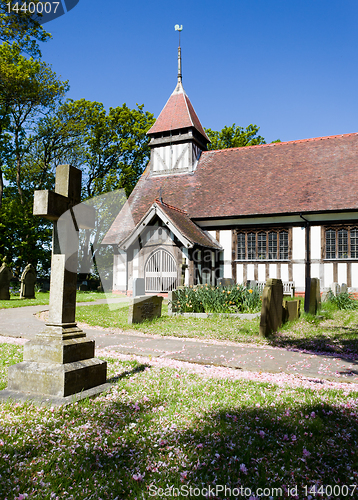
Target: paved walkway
x: 22, y: 322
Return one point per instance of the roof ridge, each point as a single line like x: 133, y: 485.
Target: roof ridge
x: 274, y: 144
x: 157, y: 200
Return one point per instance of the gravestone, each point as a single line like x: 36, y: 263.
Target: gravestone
x: 315, y: 296
x: 144, y: 307
x: 226, y: 282
x: 344, y: 288
x: 251, y: 284
x: 271, y: 310
x: 5, y: 278
x: 335, y: 288
x: 59, y: 362
x: 291, y: 310
x: 138, y: 287
x: 28, y: 280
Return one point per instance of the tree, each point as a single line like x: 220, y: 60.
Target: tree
x: 234, y: 137
x: 27, y: 87
x: 112, y: 148
x: 21, y: 29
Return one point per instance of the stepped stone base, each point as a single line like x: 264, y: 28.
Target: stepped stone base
x: 58, y: 363
x: 56, y: 379
x: 40, y: 400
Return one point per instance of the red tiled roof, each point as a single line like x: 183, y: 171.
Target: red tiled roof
x: 178, y: 113
x: 187, y: 227
x: 311, y: 175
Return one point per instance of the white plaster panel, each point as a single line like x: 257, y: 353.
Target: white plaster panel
x: 315, y: 271
x: 261, y: 269
x: 135, y: 263
x: 227, y: 270
x: 342, y: 272
x: 239, y: 273
x: 298, y: 243
x: 298, y: 272
x: 354, y: 274
x: 119, y: 271
x: 284, y: 272
x: 316, y: 243
x: 272, y: 270
x: 328, y: 274
x: 250, y: 271
x: 226, y: 241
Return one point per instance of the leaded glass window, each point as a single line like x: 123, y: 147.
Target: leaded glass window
x: 241, y: 246
x: 251, y: 246
x: 261, y: 245
x: 342, y: 244
x: 330, y: 244
x: 283, y: 241
x: 354, y: 243
x: 272, y: 245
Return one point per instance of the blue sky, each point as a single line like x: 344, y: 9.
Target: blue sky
x: 289, y: 66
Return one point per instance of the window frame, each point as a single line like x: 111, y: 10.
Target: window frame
x: 345, y: 242
x: 253, y: 238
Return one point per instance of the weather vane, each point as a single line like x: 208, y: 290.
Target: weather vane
x: 178, y: 27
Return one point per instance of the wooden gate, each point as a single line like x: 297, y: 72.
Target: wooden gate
x: 160, y: 272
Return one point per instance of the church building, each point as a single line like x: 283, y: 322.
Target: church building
x: 285, y: 210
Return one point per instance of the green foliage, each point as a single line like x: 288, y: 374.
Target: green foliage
x: 23, y: 237
x: 234, y: 137
x: 343, y: 300
x: 21, y: 29
x: 220, y: 299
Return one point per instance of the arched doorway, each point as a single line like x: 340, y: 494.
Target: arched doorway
x: 160, y: 272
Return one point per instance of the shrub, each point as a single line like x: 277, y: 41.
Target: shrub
x: 218, y: 299
x: 342, y: 300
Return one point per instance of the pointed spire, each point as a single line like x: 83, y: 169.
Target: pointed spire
x: 179, y: 28
x: 179, y: 65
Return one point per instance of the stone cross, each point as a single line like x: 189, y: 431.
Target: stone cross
x: 59, y: 362
x: 52, y: 205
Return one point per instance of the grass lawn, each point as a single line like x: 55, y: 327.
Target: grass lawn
x: 165, y: 430
x: 334, y: 331
x: 43, y: 299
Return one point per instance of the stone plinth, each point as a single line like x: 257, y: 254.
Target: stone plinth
x: 145, y: 307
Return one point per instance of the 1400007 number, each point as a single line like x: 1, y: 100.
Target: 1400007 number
x: 33, y: 8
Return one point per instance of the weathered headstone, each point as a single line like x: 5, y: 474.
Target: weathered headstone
x: 144, y: 307
x: 315, y: 296
x: 28, y: 280
x: 335, y: 288
x: 138, y: 287
x: 226, y: 282
x: 291, y: 310
x: 271, y: 310
x: 251, y: 284
x: 83, y: 287
x: 344, y: 288
x: 5, y: 278
x: 60, y: 362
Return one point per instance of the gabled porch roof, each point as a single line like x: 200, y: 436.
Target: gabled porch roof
x: 187, y: 232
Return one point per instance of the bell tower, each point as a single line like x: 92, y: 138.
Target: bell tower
x: 177, y: 136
